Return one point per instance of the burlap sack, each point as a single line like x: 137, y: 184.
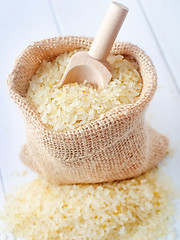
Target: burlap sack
x: 119, y: 146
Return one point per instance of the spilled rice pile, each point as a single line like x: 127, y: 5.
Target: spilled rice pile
x: 138, y: 209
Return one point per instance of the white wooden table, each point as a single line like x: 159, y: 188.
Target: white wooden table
x: 154, y: 25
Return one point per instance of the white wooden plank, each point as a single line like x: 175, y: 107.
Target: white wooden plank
x: 21, y: 23
x: 79, y: 17
x: 163, y: 15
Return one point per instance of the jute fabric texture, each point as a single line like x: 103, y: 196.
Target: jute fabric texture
x: 119, y: 146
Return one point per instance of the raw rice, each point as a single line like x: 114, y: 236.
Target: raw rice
x: 136, y: 209
x: 73, y: 105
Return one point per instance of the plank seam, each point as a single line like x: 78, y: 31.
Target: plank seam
x: 54, y: 17
x: 159, y: 46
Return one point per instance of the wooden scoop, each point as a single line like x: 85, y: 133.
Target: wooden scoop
x: 93, y: 66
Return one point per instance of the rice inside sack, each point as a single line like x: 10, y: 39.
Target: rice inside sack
x: 73, y: 105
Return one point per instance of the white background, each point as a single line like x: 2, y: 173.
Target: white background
x: 154, y: 25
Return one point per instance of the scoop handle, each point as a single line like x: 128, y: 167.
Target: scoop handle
x: 108, y: 31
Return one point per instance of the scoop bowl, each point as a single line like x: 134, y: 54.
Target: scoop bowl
x: 83, y: 67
